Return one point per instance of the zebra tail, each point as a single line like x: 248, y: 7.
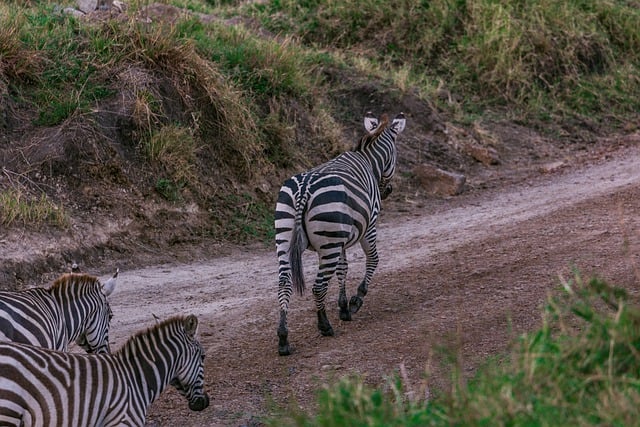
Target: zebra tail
x: 295, y: 256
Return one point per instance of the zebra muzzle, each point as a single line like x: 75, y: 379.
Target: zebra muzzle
x: 199, y: 403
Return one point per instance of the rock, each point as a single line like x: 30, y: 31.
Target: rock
x: 71, y: 11
x: 552, y: 167
x: 438, y: 182
x: 485, y: 155
x: 87, y: 6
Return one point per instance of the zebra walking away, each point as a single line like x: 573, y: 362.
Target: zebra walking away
x: 328, y: 209
x: 42, y: 387
x: 74, y: 308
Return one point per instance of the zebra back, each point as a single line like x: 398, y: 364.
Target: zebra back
x: 50, y: 388
x: 74, y: 308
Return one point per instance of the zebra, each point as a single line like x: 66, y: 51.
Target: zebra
x: 329, y: 209
x: 42, y: 387
x: 74, y: 308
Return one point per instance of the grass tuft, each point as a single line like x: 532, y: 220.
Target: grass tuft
x: 18, y: 208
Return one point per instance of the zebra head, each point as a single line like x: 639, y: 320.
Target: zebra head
x: 94, y: 327
x: 189, y: 379
x: 379, y: 141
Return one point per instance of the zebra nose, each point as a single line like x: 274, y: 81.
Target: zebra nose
x: 199, y: 403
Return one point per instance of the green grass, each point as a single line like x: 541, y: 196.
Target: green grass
x: 581, y: 368
x: 17, y: 208
x: 539, y: 56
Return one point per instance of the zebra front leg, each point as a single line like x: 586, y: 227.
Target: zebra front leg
x: 369, y: 248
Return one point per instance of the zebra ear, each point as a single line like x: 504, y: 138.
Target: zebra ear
x: 370, y: 122
x: 110, y: 285
x: 191, y: 325
x: 399, y: 123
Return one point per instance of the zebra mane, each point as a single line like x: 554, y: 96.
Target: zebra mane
x: 73, y: 279
x: 369, y: 137
x: 144, y: 334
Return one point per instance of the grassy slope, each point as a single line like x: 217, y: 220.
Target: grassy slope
x: 257, y: 94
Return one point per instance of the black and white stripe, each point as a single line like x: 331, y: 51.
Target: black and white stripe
x: 328, y: 209
x: 42, y: 387
x: 74, y: 308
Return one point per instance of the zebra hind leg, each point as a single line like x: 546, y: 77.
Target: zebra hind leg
x: 283, y: 333
x: 319, y: 293
x: 341, y: 272
x: 323, y: 324
x: 284, y: 295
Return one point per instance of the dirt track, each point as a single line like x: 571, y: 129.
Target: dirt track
x: 468, y: 273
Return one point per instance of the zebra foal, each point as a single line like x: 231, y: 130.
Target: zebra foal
x: 42, y: 387
x: 74, y: 308
x: 329, y: 209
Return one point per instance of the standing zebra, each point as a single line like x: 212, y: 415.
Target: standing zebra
x: 329, y: 209
x: 74, y: 308
x: 41, y: 387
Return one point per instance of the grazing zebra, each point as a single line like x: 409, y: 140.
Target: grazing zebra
x: 328, y: 209
x: 74, y: 308
x: 42, y: 387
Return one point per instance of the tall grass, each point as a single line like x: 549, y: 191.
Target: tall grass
x: 542, y: 56
x: 580, y: 368
x: 18, y: 208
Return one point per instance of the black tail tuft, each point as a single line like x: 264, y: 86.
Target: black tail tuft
x: 295, y: 259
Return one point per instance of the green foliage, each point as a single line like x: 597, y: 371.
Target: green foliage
x: 70, y: 81
x: 16, y: 207
x: 580, y: 368
x: 244, y: 218
x: 226, y: 91
x: 168, y: 189
x: 539, y: 56
x: 262, y: 66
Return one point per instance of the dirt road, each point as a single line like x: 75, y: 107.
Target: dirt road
x: 466, y: 273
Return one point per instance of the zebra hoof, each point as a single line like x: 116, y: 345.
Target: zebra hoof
x: 354, y: 304
x: 345, y: 315
x: 323, y: 324
x: 327, y: 332
x: 284, y: 350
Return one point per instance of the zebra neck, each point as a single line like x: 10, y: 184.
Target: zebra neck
x: 149, y: 365
x: 71, y: 309
x: 380, y: 154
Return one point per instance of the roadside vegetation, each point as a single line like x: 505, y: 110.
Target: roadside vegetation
x: 581, y: 368
x: 20, y: 209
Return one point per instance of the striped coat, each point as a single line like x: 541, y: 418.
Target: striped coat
x: 329, y: 209
x: 74, y: 308
x: 41, y: 387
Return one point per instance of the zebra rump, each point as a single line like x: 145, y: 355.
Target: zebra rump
x: 74, y: 308
x: 42, y: 387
